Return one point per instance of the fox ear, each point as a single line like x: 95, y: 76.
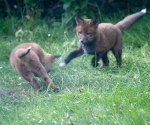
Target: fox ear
x: 79, y: 21
x: 56, y: 56
x: 94, y: 22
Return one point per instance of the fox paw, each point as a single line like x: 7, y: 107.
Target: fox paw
x: 56, y: 90
x: 62, y: 64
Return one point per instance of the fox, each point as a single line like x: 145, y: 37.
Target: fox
x: 98, y: 39
x: 30, y: 60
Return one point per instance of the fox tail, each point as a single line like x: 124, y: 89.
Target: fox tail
x: 128, y: 21
x: 22, y: 52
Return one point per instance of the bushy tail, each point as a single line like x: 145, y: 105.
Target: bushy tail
x: 22, y: 52
x: 128, y: 21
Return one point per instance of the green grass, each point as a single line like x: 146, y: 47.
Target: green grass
x: 88, y: 96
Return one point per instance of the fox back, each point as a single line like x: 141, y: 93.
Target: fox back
x: 94, y: 38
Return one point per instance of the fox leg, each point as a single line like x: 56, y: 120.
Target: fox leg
x: 96, y: 58
x: 94, y: 61
x: 41, y: 71
x: 72, y: 55
x: 48, y: 81
x: 105, y: 60
x: 118, y: 55
x: 32, y: 80
x: 27, y: 75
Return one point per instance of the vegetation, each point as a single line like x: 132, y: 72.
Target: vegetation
x: 116, y: 96
x: 64, y: 11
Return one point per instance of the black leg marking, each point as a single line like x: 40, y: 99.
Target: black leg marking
x: 105, y: 60
x: 96, y: 58
x: 118, y: 56
x: 94, y: 61
x: 73, y: 55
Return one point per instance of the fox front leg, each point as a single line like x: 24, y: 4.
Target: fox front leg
x: 94, y: 61
x: 96, y: 58
x: 72, y: 55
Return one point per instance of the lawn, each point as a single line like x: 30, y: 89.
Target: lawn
x: 88, y: 96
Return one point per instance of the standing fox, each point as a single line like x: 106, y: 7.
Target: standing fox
x: 97, y: 39
x: 30, y: 58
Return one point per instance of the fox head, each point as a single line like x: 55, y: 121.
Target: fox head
x: 86, y: 30
x: 48, y: 62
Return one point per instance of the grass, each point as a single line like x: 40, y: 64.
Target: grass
x: 88, y: 96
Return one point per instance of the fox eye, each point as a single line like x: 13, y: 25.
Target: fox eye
x: 88, y: 33
x: 80, y: 32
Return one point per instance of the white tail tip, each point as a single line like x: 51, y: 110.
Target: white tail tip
x: 29, y: 47
x: 143, y: 11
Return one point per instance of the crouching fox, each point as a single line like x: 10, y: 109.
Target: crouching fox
x: 28, y: 59
x: 97, y: 39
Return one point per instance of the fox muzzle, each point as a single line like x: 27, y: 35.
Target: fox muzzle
x: 84, y: 41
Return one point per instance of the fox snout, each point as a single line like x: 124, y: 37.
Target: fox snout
x: 83, y: 41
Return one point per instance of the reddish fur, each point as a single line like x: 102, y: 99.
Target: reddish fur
x: 98, y: 39
x: 35, y: 61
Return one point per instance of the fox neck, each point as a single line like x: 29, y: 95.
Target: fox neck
x: 89, y: 48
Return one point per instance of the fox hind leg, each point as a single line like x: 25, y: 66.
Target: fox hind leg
x: 94, y: 61
x: 96, y: 58
x: 118, y: 55
x: 105, y: 60
x: 117, y: 49
x: 27, y: 75
x: 42, y: 72
x: 32, y: 80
